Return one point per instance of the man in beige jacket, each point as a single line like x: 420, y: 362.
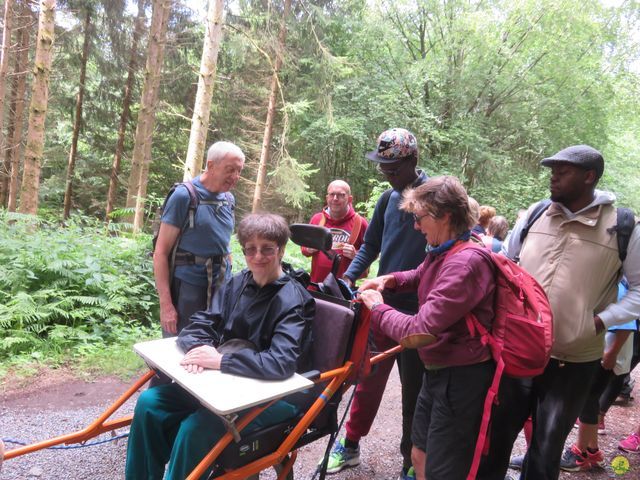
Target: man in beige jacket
x: 572, y: 251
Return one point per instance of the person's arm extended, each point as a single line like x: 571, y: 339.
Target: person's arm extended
x: 370, y: 247
x: 462, y: 283
x: 406, y: 281
x: 167, y: 237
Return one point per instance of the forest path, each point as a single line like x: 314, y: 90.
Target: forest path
x: 55, y: 402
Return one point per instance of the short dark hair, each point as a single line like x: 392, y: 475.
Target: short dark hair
x: 439, y: 195
x: 268, y: 226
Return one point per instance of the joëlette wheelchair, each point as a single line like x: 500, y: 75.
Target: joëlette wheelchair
x: 340, y: 332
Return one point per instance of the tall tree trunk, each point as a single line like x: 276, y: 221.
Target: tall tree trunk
x: 38, y: 108
x: 77, y: 121
x: 271, y: 110
x: 4, y: 66
x: 126, y: 110
x: 14, y: 136
x: 146, y: 117
x: 202, y: 107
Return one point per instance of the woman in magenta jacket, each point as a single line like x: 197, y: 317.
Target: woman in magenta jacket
x: 458, y: 368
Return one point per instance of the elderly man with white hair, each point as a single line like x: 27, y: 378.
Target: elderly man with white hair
x: 192, y: 248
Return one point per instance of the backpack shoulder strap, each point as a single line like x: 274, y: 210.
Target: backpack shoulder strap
x: 463, y: 246
x: 625, y: 223
x: 323, y: 220
x: 536, y: 213
x: 194, y: 201
x: 194, y: 198
x: 355, y: 231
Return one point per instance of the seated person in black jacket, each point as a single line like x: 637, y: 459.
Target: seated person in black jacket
x: 261, y: 305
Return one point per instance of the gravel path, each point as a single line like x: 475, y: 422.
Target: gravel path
x: 30, y: 418
x: 49, y: 410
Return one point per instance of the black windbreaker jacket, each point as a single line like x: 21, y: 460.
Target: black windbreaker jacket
x: 275, y: 318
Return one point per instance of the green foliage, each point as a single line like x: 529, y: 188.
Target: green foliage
x: 489, y: 88
x: 377, y: 189
x: 292, y: 177
x: 71, y: 290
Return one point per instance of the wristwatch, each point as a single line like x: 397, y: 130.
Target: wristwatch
x: 375, y: 305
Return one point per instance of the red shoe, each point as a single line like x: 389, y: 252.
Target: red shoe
x: 596, y: 459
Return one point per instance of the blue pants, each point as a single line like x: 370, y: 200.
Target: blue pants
x: 170, y: 425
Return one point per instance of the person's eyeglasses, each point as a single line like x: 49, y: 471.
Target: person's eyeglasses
x: 418, y: 218
x: 337, y: 195
x: 264, y: 251
x: 388, y: 172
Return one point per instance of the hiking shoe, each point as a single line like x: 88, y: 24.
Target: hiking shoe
x: 574, y: 460
x: 596, y: 459
x: 630, y: 444
x: 516, y: 462
x: 410, y: 474
x: 343, y: 457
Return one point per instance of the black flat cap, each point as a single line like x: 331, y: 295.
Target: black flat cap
x: 582, y: 156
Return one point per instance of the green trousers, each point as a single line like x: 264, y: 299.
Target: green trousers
x: 170, y: 425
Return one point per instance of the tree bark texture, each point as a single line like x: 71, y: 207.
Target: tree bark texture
x: 206, y: 79
x: 271, y: 110
x: 77, y: 121
x: 146, y: 117
x: 126, y: 110
x: 14, y: 134
x: 4, y: 66
x: 38, y: 108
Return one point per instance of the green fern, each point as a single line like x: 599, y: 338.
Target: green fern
x: 61, y: 287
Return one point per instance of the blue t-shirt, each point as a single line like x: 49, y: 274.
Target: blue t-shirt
x: 211, y: 233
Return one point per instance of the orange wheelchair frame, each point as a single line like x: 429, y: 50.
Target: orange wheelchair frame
x: 284, y: 455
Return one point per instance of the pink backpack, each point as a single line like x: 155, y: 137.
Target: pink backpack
x: 520, y: 337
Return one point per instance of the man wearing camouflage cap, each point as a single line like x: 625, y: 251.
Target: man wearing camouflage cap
x: 570, y: 244
x: 391, y: 234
